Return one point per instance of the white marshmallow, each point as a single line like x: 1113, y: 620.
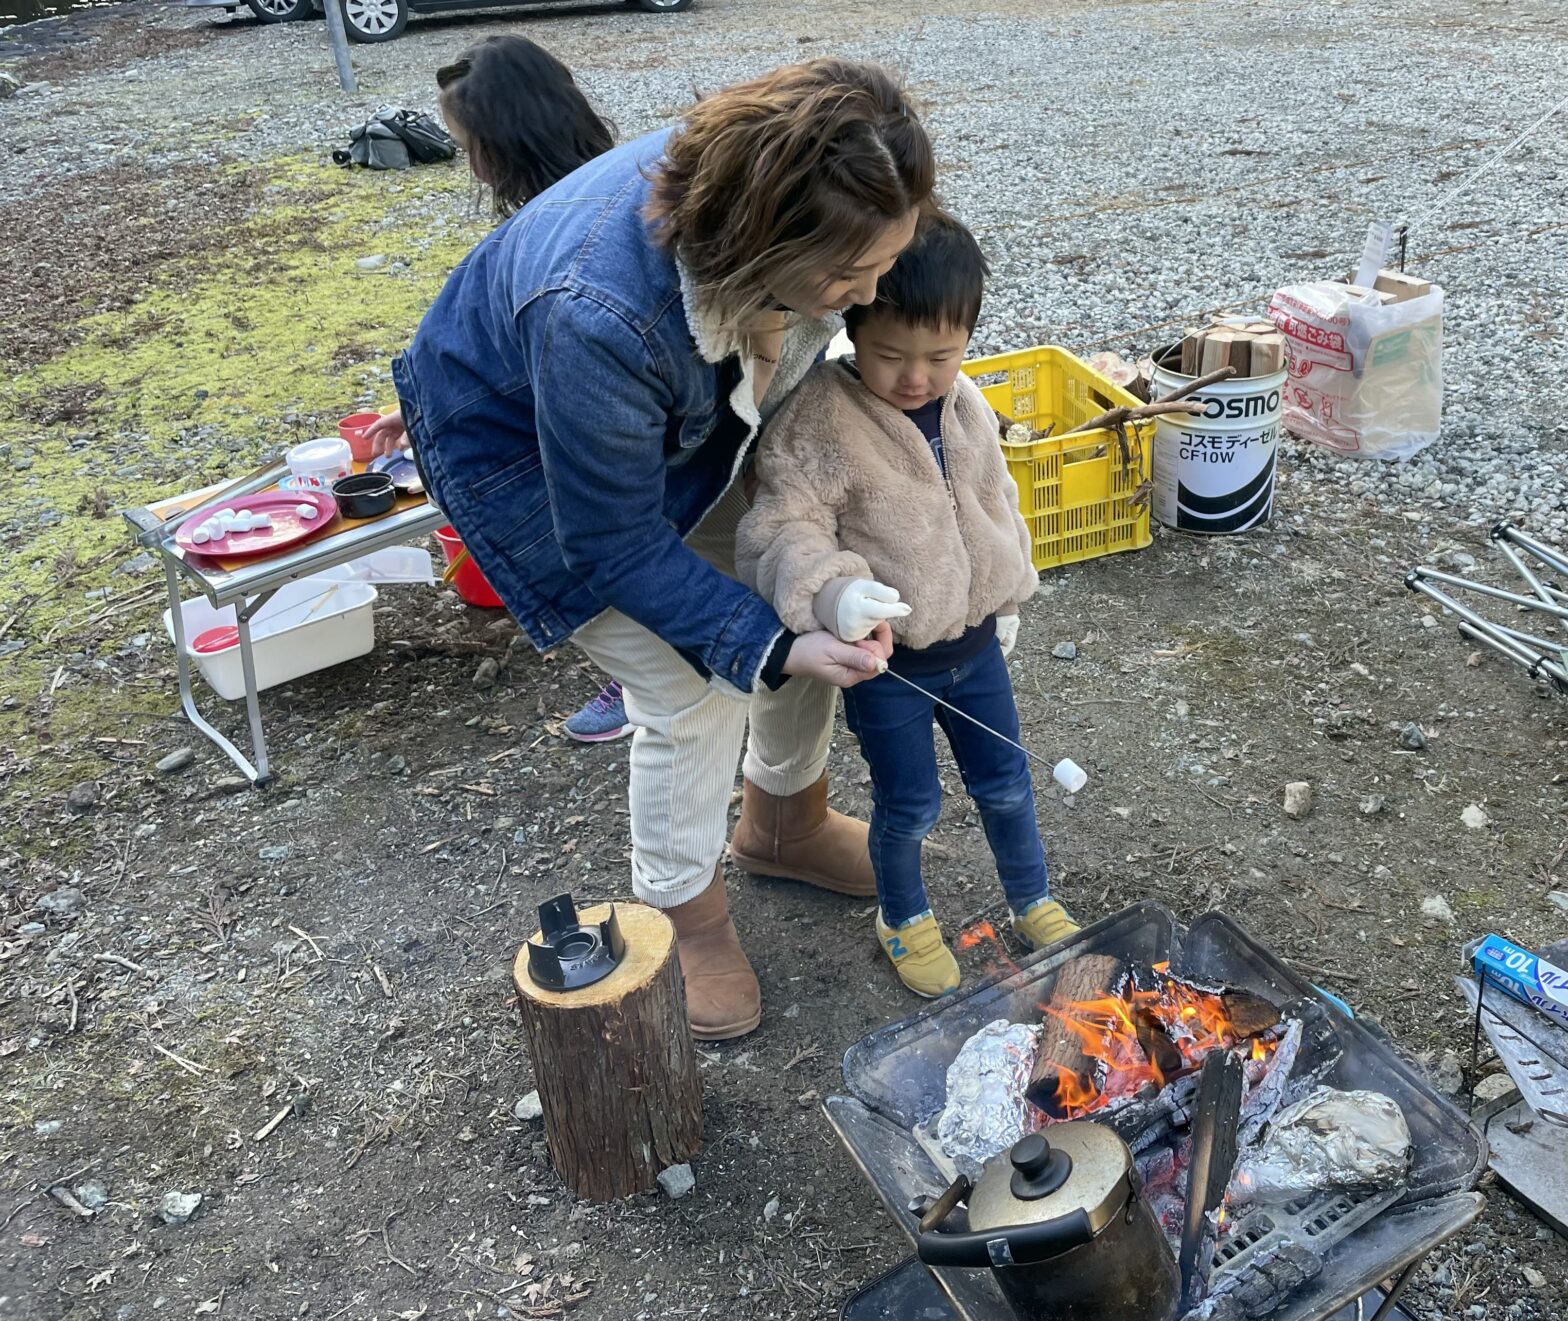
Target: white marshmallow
x: 262, y: 522
x: 1070, y: 775
x: 244, y: 523
x: 307, y: 511
x: 201, y: 536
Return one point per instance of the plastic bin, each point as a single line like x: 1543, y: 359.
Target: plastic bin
x: 1079, y: 496
x: 309, y: 625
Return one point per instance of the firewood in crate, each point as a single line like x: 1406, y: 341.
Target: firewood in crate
x: 614, y: 1061
x: 1118, y: 371
x: 1088, y: 977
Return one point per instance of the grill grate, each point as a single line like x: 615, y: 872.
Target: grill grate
x: 1314, y: 1222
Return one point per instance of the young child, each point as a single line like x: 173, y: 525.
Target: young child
x: 882, y: 494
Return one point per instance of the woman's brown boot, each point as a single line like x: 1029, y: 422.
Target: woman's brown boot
x: 723, y: 999
x: 802, y: 839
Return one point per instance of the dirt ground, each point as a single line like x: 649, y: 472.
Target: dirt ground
x: 296, y: 1002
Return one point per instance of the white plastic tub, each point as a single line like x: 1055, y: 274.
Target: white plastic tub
x: 309, y: 625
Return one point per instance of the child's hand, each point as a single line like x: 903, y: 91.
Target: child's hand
x: 387, y: 436
x: 1007, y: 633
x: 879, y: 644
x: 863, y: 605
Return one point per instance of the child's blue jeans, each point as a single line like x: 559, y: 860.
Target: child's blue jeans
x: 894, y: 725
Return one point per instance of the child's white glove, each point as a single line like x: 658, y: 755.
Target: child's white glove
x: 852, y: 608
x: 1007, y: 633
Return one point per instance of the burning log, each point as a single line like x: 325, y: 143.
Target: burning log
x: 1063, y: 1071
x: 1249, y: 1014
x: 1161, y: 1052
x: 1113, y: 1040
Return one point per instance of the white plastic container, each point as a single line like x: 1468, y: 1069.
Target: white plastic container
x: 316, y: 464
x: 1214, y: 472
x: 309, y: 625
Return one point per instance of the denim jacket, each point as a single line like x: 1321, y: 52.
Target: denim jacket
x: 563, y: 392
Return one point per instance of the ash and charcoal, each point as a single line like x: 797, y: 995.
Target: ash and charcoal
x: 1300, y: 1142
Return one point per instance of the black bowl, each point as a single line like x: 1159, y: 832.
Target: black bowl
x: 364, y: 495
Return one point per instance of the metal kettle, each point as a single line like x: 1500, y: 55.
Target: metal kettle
x: 1062, y: 1226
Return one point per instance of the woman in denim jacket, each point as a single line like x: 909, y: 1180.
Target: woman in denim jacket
x: 585, y: 394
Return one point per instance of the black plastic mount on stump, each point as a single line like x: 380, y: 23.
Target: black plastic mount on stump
x: 573, y: 955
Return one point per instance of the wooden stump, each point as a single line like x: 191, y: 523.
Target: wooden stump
x: 615, y: 1064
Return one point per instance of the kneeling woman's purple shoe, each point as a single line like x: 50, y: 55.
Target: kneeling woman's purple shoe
x: 602, y: 719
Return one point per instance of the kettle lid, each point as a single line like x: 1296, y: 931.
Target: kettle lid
x: 1068, y: 1167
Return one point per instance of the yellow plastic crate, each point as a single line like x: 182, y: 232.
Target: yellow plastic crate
x: 1075, y: 492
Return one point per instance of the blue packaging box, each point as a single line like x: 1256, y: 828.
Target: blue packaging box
x: 1523, y: 976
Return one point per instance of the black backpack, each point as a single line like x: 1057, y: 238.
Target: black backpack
x: 396, y: 139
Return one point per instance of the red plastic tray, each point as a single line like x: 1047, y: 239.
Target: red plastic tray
x: 288, y: 528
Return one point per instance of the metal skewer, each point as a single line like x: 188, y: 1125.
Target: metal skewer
x: 1067, y: 773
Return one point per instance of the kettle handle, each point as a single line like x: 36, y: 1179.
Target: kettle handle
x: 1016, y: 1246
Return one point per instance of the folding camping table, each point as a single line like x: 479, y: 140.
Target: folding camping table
x: 248, y: 586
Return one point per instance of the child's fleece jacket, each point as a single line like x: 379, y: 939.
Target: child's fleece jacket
x: 848, y: 487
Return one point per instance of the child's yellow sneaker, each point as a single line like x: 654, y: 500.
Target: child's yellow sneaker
x: 1043, y: 923
x: 920, y: 956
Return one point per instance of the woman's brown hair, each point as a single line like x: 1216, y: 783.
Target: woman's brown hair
x: 776, y: 182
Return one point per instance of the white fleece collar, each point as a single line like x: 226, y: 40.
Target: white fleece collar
x: 715, y: 342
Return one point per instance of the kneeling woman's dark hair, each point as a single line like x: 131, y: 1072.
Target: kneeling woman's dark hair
x: 937, y: 281
x: 526, y: 122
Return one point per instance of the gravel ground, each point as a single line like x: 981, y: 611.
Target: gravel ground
x: 336, y: 949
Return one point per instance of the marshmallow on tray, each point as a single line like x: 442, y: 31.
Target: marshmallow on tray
x: 307, y: 512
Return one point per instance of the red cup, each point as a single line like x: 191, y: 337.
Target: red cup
x: 469, y: 582
x: 353, y: 428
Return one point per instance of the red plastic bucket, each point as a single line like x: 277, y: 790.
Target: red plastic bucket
x: 469, y: 582
x: 352, y: 428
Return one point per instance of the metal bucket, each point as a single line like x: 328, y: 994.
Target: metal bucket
x: 1214, y: 472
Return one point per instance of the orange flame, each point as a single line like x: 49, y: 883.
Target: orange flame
x: 1194, y: 1021
x: 977, y: 934
x: 983, y: 933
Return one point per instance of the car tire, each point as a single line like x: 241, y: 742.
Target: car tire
x: 374, y: 20
x: 663, y: 6
x: 280, y: 11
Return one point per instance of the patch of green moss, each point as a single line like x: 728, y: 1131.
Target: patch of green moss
x: 215, y: 364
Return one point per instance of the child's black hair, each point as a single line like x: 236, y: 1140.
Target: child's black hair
x: 937, y: 281
x: 528, y: 124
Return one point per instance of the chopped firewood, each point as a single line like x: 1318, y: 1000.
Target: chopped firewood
x: 1217, y: 349
x: 1249, y: 1014
x: 1088, y: 977
x: 1116, y: 369
x: 1158, y: 1049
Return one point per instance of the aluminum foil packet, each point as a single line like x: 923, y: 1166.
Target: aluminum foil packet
x: 1524, y: 977
x: 1330, y: 1140
x: 986, y: 1112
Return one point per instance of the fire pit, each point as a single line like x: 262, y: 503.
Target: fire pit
x: 1126, y: 1010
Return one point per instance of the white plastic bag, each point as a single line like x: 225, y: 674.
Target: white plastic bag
x: 1366, y: 373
